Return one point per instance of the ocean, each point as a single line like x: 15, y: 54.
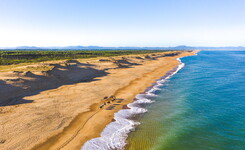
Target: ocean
x: 202, y: 107
x: 198, y: 106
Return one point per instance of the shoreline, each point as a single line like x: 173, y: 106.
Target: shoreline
x: 52, y: 123
x: 115, y: 134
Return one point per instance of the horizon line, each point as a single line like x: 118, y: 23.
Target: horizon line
x: 114, y: 46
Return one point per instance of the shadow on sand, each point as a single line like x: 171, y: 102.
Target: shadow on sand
x: 58, y: 76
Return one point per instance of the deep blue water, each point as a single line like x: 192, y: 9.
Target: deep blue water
x: 202, y: 107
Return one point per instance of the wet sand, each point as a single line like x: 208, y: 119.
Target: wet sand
x: 68, y: 116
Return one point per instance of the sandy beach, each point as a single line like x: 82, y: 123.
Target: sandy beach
x: 59, y: 108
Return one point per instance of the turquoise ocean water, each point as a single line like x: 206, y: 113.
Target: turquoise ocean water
x: 202, y: 107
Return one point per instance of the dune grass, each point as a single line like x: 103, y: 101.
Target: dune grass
x: 9, y: 57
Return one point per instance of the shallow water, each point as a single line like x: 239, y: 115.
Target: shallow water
x: 202, y: 107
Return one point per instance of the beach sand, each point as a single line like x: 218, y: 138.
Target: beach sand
x: 68, y: 115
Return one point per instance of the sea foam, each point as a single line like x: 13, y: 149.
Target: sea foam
x: 115, y: 134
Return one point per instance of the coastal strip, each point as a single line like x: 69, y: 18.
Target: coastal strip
x: 69, y: 116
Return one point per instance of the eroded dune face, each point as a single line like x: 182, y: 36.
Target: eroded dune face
x: 51, y: 99
x: 16, y: 84
x: 20, y: 83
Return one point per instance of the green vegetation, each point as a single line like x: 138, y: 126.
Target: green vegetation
x: 8, y: 57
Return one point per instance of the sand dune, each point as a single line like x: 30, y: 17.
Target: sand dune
x: 59, y: 108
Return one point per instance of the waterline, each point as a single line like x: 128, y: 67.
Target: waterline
x: 115, y: 134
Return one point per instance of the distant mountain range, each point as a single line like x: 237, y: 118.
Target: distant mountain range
x: 181, y: 47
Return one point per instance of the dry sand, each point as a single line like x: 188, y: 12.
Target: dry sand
x: 68, y: 115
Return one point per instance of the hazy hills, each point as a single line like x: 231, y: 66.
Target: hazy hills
x: 182, y: 47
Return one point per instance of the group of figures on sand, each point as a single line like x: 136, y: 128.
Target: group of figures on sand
x: 107, y: 100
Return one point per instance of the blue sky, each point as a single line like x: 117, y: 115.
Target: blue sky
x: 122, y: 22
